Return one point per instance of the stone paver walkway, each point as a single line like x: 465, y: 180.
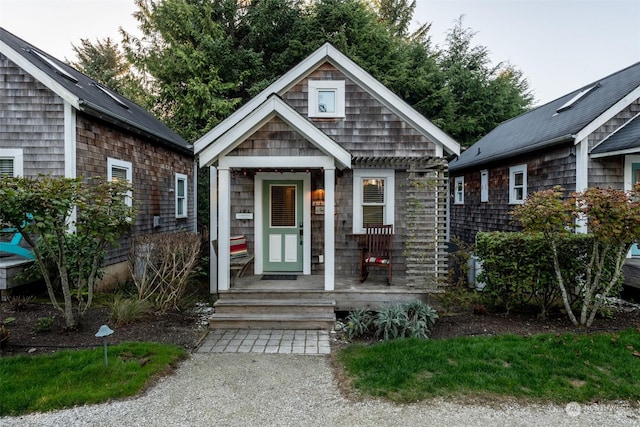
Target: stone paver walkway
x: 278, y: 341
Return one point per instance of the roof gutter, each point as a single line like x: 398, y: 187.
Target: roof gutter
x: 105, y: 115
x: 523, y: 150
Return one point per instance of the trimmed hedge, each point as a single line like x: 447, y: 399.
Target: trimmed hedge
x: 518, y: 268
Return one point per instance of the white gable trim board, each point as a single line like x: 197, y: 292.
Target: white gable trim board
x: 376, y: 89
x: 273, y: 107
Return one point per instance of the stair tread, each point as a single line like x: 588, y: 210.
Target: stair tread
x: 269, y: 301
x: 257, y: 316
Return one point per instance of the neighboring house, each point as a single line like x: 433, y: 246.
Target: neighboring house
x: 587, y: 138
x: 55, y: 120
x: 301, y: 167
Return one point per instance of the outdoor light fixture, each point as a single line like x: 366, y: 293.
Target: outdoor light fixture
x: 103, y: 333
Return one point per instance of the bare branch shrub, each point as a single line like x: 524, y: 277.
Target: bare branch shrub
x: 161, y: 265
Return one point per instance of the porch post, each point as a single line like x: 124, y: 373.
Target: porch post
x: 224, y: 223
x: 213, y: 229
x: 329, y: 229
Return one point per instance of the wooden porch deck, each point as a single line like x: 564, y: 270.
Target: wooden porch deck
x: 348, y: 294
x: 253, y: 303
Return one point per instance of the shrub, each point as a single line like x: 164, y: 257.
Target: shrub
x: 411, y: 319
x: 44, y: 324
x: 518, y: 268
x: 127, y: 310
x: 19, y: 302
x: 161, y: 265
x: 359, y: 323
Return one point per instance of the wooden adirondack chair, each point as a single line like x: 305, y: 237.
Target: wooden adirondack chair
x: 377, y: 250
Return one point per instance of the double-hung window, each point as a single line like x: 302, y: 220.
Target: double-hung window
x: 517, y: 184
x: 11, y: 162
x: 459, y: 190
x: 181, y: 196
x: 373, y: 198
x: 120, y: 170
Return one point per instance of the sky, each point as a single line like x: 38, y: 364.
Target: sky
x: 559, y: 45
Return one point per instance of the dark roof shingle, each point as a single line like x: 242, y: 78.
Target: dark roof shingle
x: 94, y: 100
x: 544, y: 126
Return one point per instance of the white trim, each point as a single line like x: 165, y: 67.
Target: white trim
x: 329, y: 229
x: 274, y: 106
x: 306, y: 216
x: 607, y: 115
x: 606, y: 138
x: 213, y: 229
x: 354, y: 72
x: 185, y: 203
x: 389, y: 195
x: 484, y: 186
x: 628, y: 177
x: 70, y: 169
x: 121, y: 164
x: 626, y: 152
x: 39, y: 75
x: 277, y: 162
x: 582, y: 166
x: 17, y: 155
x: 513, y: 170
x: 317, y: 86
x: 224, y: 228
x: 458, y: 190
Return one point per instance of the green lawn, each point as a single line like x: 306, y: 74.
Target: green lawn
x: 68, y: 378
x: 554, y: 368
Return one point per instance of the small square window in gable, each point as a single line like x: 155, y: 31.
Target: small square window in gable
x: 326, y: 98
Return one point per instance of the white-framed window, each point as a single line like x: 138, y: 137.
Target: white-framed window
x: 459, y: 190
x: 373, y: 197
x: 120, y: 170
x: 11, y: 162
x: 181, y: 196
x: 517, y: 184
x: 484, y: 185
x: 326, y: 98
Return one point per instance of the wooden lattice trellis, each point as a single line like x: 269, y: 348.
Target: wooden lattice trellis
x: 425, y: 247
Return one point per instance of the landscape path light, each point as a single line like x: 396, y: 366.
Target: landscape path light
x: 103, y: 333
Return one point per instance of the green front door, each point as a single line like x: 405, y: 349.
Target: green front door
x: 283, y: 226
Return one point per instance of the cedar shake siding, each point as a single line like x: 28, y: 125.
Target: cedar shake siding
x: 154, y: 174
x: 32, y: 118
x: 554, y: 166
x: 369, y: 129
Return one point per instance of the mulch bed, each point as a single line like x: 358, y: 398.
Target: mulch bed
x: 187, y: 329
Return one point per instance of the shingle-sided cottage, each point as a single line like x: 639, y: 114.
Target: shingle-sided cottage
x: 302, y: 167
x: 587, y: 138
x: 55, y: 120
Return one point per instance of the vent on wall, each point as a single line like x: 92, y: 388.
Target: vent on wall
x: 156, y: 222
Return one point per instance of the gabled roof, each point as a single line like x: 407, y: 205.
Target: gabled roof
x: 569, y: 118
x: 274, y: 106
x: 85, y: 94
x: 329, y: 53
x: 623, y: 141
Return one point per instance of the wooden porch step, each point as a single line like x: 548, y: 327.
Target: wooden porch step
x: 274, y: 294
x: 272, y: 321
x: 274, y: 306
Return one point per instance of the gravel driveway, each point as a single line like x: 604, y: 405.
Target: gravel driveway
x: 298, y: 390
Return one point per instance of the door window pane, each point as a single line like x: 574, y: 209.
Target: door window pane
x: 283, y: 206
